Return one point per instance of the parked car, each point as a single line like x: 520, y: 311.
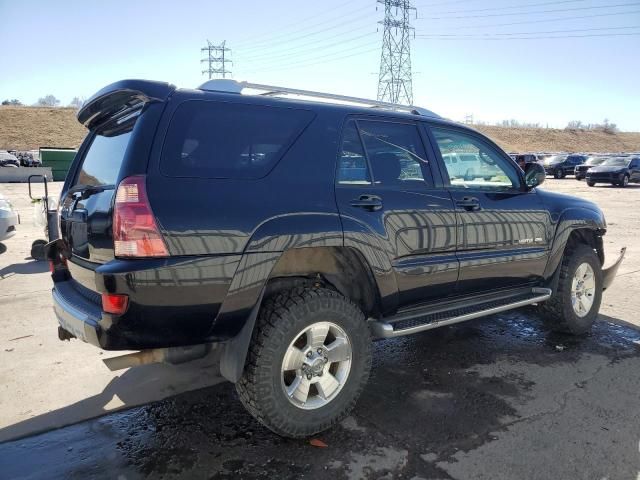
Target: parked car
x: 560, y: 166
x: 469, y: 166
x: 8, y: 219
x: 293, y: 232
x: 580, y: 171
x: 618, y: 171
x: 8, y: 160
x: 26, y: 159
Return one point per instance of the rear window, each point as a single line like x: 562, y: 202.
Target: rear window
x: 101, y: 163
x: 229, y: 140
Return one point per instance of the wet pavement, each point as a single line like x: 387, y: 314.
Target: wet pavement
x: 493, y: 398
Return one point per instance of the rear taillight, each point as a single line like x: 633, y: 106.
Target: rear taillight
x: 115, y: 303
x: 135, y: 231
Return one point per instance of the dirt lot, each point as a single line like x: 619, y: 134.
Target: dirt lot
x: 492, y: 398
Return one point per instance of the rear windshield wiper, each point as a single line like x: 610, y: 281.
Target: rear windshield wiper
x: 86, y: 191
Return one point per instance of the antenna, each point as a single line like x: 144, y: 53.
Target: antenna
x: 217, y: 58
x: 394, y: 81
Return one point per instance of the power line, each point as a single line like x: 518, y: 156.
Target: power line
x: 303, y: 46
x: 532, y: 38
x: 510, y: 7
x: 635, y: 4
x: 316, y: 60
x: 521, y: 33
x: 286, y: 37
x: 395, y: 83
x: 545, y: 20
x: 321, y: 13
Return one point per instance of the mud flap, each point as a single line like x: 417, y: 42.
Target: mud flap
x: 234, y: 352
x: 609, y: 274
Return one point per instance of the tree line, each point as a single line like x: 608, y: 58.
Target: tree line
x: 47, y: 101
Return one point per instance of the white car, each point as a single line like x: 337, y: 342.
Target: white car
x: 8, y: 219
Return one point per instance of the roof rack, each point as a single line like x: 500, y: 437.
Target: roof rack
x: 233, y: 86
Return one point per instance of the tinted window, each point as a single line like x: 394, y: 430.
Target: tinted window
x: 101, y: 163
x: 352, y: 164
x: 483, y: 167
x: 395, y: 151
x: 229, y: 140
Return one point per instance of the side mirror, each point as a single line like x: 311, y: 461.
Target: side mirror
x: 534, y: 175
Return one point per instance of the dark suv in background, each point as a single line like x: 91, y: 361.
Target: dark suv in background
x: 559, y: 166
x: 580, y: 171
x: 291, y: 232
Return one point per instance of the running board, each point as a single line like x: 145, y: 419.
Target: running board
x: 427, y: 319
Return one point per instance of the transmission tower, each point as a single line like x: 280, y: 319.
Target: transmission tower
x: 216, y: 57
x: 394, y: 80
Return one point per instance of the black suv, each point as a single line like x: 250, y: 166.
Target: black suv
x: 292, y: 232
x: 559, y: 166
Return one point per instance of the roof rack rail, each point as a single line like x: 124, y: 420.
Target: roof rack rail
x: 233, y: 86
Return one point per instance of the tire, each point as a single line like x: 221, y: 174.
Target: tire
x: 37, y: 250
x: 558, y: 312
x: 558, y: 174
x: 625, y: 181
x: 591, y: 184
x: 282, y: 320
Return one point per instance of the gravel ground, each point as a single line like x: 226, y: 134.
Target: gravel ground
x: 492, y: 398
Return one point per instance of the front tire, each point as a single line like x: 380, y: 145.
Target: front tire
x: 624, y: 183
x: 575, y: 304
x: 308, y: 362
x: 558, y: 174
x: 591, y: 184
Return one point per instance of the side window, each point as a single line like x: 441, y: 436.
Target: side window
x: 224, y: 140
x: 352, y: 164
x: 479, y: 165
x: 396, y: 153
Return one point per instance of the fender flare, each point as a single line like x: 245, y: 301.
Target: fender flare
x: 570, y: 220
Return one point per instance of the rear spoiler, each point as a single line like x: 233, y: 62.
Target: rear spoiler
x: 121, y: 98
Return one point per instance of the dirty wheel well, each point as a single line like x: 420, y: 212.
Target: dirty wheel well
x: 587, y: 236
x: 339, y: 268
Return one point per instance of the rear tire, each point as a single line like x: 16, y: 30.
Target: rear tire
x: 301, y: 400
x: 575, y: 304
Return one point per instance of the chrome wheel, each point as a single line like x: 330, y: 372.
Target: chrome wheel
x: 625, y: 181
x: 316, y: 365
x: 583, y: 289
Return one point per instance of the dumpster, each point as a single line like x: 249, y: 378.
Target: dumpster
x: 59, y: 159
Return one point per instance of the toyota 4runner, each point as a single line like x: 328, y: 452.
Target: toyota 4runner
x: 291, y: 228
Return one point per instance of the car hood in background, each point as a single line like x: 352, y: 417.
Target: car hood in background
x: 607, y: 169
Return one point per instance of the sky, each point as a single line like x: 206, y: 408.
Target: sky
x: 537, y: 61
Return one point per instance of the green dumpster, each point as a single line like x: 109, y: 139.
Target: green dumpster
x: 59, y: 159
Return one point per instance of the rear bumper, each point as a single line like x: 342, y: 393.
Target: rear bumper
x: 77, y: 315
x: 172, y: 302
x: 609, y: 274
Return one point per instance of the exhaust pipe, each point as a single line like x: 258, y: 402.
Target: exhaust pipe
x: 172, y: 355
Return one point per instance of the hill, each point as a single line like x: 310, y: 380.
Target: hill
x: 24, y: 128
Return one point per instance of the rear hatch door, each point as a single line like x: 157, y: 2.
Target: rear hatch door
x: 122, y: 119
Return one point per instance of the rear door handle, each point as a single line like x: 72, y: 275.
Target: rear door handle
x: 470, y: 204
x: 367, y: 202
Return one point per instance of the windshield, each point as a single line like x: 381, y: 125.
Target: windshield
x: 595, y: 160
x: 555, y: 159
x: 617, y: 162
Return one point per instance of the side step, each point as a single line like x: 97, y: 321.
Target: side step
x: 429, y: 318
